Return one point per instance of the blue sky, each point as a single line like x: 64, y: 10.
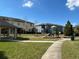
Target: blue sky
x: 42, y: 11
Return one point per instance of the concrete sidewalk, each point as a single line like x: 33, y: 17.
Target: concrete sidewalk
x: 54, y: 51
x: 39, y: 41
x: 33, y: 41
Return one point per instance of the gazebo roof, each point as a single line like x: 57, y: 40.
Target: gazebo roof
x: 6, y: 24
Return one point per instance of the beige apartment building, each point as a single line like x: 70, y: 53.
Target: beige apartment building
x: 22, y: 25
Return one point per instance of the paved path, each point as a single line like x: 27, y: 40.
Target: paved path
x: 54, y: 51
x: 38, y: 41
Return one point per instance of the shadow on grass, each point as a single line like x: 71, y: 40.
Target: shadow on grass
x: 13, y: 40
x: 2, y: 55
x: 6, y: 40
x: 49, y: 37
x: 20, y: 38
x: 76, y: 40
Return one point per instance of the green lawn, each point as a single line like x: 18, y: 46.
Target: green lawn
x: 37, y: 37
x: 18, y: 50
x: 70, y: 50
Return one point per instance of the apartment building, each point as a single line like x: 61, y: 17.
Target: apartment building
x: 22, y: 25
x: 45, y: 28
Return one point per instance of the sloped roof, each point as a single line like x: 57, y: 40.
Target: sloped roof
x: 6, y: 24
x: 14, y: 19
x: 49, y: 24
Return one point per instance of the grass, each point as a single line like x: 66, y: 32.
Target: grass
x: 37, y: 37
x: 18, y: 50
x: 70, y: 50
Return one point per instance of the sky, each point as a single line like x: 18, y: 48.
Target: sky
x: 42, y: 11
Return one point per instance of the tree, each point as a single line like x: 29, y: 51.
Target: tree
x: 34, y: 30
x: 76, y: 30
x: 57, y: 32
x: 68, y: 29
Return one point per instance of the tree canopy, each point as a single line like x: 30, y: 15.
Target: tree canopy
x: 68, y: 29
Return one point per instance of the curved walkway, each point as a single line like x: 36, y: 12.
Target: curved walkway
x: 54, y: 51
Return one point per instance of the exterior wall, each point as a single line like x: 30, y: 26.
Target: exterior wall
x: 28, y: 26
x: 24, y: 25
x: 39, y: 29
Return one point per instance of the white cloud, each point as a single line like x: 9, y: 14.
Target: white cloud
x: 72, y: 4
x: 28, y: 3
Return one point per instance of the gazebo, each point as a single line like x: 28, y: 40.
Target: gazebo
x: 7, y: 30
